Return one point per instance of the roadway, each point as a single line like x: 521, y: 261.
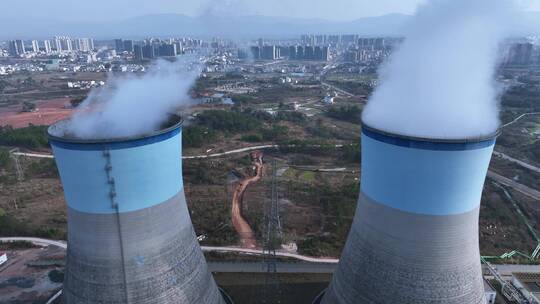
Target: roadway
x: 202, y: 156
x: 530, y: 192
x: 278, y: 253
x: 225, y: 249
x: 516, y: 161
x: 314, y: 265
x: 235, y: 151
x: 333, y: 87
x: 281, y: 267
x: 519, y: 117
x: 35, y: 241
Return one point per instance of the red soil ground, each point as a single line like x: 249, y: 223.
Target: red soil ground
x: 49, y: 112
x: 242, y: 227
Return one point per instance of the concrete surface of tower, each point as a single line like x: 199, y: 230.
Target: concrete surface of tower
x: 414, y: 238
x: 130, y: 236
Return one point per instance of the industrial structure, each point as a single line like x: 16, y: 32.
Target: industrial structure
x: 414, y: 238
x: 130, y: 236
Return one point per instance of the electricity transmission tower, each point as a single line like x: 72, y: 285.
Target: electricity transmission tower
x: 15, y: 156
x: 272, y: 241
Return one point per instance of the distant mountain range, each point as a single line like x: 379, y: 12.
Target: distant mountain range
x: 165, y: 25
x: 236, y: 27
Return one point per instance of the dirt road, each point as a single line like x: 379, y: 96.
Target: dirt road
x: 247, y: 236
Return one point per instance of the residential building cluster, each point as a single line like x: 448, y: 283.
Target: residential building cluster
x: 154, y: 47
x: 294, y: 52
x: 57, y: 44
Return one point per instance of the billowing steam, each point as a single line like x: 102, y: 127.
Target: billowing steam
x: 440, y: 83
x: 134, y: 105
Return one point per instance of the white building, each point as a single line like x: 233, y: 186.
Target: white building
x: 490, y: 293
x: 328, y: 99
x: 3, y: 258
x: 85, y: 44
x: 35, y: 46
x: 47, y: 45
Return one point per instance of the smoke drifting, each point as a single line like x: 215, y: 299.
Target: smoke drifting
x: 440, y: 82
x: 134, y: 105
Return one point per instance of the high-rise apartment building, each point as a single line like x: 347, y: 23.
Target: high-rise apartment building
x: 35, y: 46
x: 47, y: 46
x: 20, y: 46
x: 119, y: 45
x: 128, y: 46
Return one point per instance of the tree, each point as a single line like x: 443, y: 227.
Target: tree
x: 4, y: 158
x: 28, y: 106
x: 75, y: 102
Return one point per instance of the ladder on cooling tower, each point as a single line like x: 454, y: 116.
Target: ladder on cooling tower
x: 114, y: 205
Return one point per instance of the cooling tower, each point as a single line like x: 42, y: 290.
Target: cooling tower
x: 130, y: 236
x: 414, y: 238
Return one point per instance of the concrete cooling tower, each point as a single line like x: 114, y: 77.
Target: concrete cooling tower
x: 130, y: 236
x: 414, y: 238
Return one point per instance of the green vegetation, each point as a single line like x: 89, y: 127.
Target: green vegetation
x: 3, y: 85
x: 346, y: 113
x: 16, y: 245
x: 355, y: 87
x: 243, y: 99
x: 276, y: 133
x: 75, y: 102
x: 534, y: 150
x: 10, y: 226
x: 259, y: 125
x: 292, y: 116
x: 319, y: 245
x: 252, y: 138
x: 344, y: 154
x: 524, y: 96
x: 308, y: 176
x: 4, y: 158
x: 352, y: 153
x: 28, y: 106
x: 233, y: 122
x: 43, y: 168
x: 196, y: 136
x: 29, y: 137
x: 338, y: 206
x: 277, y: 92
x: 56, y: 276
x: 200, y: 172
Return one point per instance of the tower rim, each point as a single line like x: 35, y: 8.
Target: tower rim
x: 58, y: 136
x: 407, y: 140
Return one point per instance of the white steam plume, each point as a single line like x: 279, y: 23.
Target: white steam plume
x: 440, y: 82
x: 135, y: 105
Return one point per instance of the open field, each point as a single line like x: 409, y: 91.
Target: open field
x: 31, y: 275
x: 47, y: 113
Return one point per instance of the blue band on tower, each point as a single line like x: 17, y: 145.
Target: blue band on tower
x: 116, y: 145
x: 427, y: 144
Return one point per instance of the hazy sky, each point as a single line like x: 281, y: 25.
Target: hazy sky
x: 108, y: 10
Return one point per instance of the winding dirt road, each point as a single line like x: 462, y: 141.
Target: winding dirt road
x: 247, y: 236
